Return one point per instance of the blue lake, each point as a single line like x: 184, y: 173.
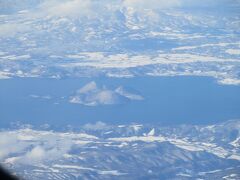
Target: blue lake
x: 168, y: 100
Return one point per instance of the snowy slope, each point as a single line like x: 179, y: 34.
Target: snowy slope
x: 102, y: 151
x: 122, y: 39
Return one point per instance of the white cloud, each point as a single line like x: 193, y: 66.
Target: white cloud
x: 151, y: 4
x: 4, y: 75
x: 71, y: 8
x: 11, y: 29
x: 229, y: 81
x: 91, y: 95
x: 96, y: 126
x: 76, y: 8
x: 37, y: 154
x: 9, y: 143
x: 52, y: 149
x: 85, y: 8
x: 27, y: 146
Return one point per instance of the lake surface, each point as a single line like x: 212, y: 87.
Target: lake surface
x: 167, y: 100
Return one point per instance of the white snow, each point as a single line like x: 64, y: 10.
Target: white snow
x: 139, y: 138
x: 4, y: 75
x: 136, y: 127
x: 183, y: 144
x: 102, y: 172
x: 233, y: 51
x: 230, y: 177
x: 151, y: 133
x: 230, y: 81
x: 234, y: 156
x: 129, y: 61
x: 236, y: 142
x: 15, y: 57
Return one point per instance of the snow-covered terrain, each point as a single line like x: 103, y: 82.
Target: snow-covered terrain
x: 122, y: 38
x: 136, y: 151
x: 77, y: 61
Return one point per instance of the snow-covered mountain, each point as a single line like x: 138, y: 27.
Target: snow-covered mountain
x: 136, y: 151
x: 122, y: 38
